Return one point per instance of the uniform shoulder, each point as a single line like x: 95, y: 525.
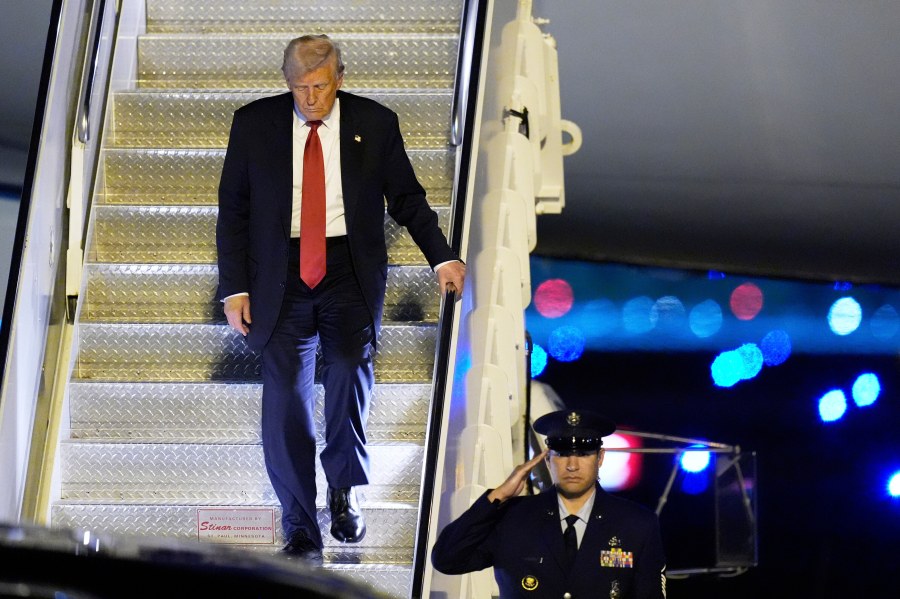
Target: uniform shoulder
x: 527, y: 506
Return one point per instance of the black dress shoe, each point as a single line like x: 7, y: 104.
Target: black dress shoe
x: 347, y: 522
x: 301, y: 548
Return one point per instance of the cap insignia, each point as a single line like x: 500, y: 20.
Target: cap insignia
x: 573, y: 419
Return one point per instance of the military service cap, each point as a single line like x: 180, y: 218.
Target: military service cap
x: 574, y: 430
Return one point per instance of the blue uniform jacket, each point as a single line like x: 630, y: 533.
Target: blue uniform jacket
x: 620, y: 556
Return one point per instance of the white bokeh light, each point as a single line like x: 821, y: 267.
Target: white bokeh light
x: 844, y: 316
x: 694, y: 460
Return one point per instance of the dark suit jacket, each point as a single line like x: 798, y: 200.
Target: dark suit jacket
x: 522, y: 539
x: 255, y: 194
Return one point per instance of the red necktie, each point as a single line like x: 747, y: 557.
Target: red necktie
x: 312, y: 210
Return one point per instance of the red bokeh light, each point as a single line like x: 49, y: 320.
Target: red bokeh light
x: 553, y: 298
x: 746, y: 301
x: 621, y: 470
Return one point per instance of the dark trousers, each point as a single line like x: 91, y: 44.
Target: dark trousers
x: 335, y: 314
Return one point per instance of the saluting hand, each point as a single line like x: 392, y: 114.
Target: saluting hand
x: 514, y: 484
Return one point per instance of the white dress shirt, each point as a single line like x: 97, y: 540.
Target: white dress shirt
x: 330, y: 136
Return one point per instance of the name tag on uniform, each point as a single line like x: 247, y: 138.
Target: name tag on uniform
x: 616, y: 558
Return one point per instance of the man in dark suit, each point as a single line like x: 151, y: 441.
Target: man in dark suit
x: 573, y: 540
x: 300, y: 237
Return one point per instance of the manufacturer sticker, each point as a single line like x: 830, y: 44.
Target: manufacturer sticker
x: 236, y: 526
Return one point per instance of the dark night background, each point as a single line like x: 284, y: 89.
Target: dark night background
x: 827, y: 527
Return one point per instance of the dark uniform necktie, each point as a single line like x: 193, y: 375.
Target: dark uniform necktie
x: 570, y: 538
x: 312, y: 210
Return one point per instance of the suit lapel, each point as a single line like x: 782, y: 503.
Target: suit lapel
x: 352, y: 146
x: 282, y: 156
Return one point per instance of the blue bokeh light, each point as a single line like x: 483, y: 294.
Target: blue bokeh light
x: 694, y: 460
x: 752, y: 359
x: 866, y: 389
x: 775, y: 347
x: 636, y: 315
x: 832, y: 405
x: 727, y: 369
x: 844, y: 316
x: 705, y: 319
x: 733, y: 366
x: 598, y: 318
x: 894, y: 484
x: 695, y: 483
x: 566, y: 343
x: 538, y: 360
x: 885, y: 322
x: 668, y: 315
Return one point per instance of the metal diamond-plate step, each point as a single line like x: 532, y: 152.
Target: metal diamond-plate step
x: 187, y: 234
x: 181, y: 411
x: 389, y: 538
x: 149, y: 293
x: 197, y: 352
x: 164, y: 403
x: 191, y: 176
x: 239, y: 61
x: 303, y: 16
x: 213, y: 473
x: 203, y: 120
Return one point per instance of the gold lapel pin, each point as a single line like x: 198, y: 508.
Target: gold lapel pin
x: 357, y: 138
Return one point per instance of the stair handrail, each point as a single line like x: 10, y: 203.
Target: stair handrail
x: 89, y: 72
x: 66, y: 162
x: 462, y: 114
x: 463, y: 79
x: 516, y: 173
x: 433, y: 439
x: 464, y: 104
x: 84, y: 149
x: 31, y: 321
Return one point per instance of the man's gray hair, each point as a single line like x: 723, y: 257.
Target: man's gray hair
x: 310, y: 52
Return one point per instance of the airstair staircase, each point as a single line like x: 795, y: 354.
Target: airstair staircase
x: 163, y: 400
